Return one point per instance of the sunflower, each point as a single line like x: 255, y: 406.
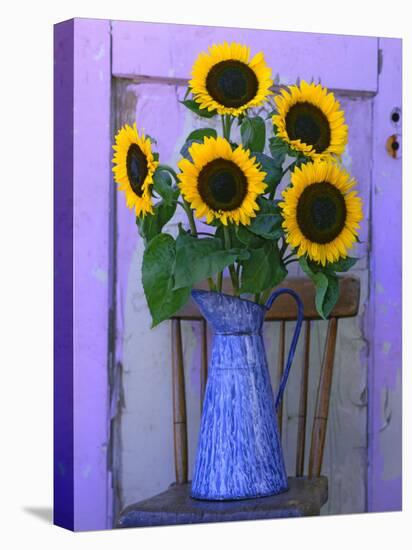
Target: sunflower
x: 311, y: 121
x: 134, y: 168
x: 321, y: 213
x: 220, y: 183
x: 226, y: 80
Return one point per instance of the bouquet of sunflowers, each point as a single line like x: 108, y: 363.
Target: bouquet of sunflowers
x: 251, y: 218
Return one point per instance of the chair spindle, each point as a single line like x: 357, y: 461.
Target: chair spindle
x: 303, y: 405
x: 179, y: 405
x: 322, y: 401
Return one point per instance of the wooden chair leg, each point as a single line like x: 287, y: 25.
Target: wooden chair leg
x: 179, y: 405
x: 281, y: 366
x: 322, y: 402
x: 303, y: 405
x: 203, y: 364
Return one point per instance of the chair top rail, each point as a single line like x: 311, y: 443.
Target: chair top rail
x: 284, y: 309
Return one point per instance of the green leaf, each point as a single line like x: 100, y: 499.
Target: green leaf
x: 273, y: 170
x: 184, y: 151
x: 158, y: 266
x: 247, y: 238
x: 188, y: 90
x: 268, y: 220
x: 197, y: 259
x: 342, y: 265
x: 193, y: 106
x: 264, y: 269
x: 152, y: 139
x: 331, y: 295
x: 326, y: 284
x: 152, y: 224
x: 240, y: 118
x: 155, y: 156
x: 278, y: 149
x: 163, y: 186
x: 253, y: 132
x: 235, y: 242
x: 201, y: 133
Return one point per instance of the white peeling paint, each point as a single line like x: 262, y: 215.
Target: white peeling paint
x: 99, y: 55
x: 379, y: 288
x: 100, y: 274
x: 386, y: 347
x: 86, y: 471
x: 392, y: 461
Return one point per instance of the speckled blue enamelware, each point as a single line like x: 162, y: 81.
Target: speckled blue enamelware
x: 239, y: 452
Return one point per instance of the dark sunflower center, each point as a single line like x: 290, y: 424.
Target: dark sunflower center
x: 308, y: 123
x: 232, y: 83
x: 136, y: 164
x: 321, y: 212
x: 222, y: 185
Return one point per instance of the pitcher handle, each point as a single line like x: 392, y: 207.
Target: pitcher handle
x: 295, y: 338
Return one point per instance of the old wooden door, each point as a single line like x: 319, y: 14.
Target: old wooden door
x: 149, y: 66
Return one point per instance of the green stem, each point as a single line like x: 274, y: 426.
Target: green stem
x: 220, y: 281
x: 169, y: 169
x: 265, y: 296
x: 288, y: 256
x: 238, y: 271
x: 285, y: 171
x: 226, y: 126
x: 191, y: 219
x: 284, y: 247
x: 232, y: 270
x: 212, y: 285
x: 291, y: 261
x: 223, y: 126
x: 257, y: 297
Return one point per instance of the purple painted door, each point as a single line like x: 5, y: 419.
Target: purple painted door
x: 149, y: 65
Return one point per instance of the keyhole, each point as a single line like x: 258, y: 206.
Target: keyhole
x: 396, y: 116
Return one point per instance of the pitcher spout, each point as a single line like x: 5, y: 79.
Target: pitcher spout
x: 229, y: 314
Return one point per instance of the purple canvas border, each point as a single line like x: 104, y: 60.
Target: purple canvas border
x: 63, y: 502
x: 82, y: 183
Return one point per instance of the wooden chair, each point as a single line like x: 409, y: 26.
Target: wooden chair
x: 306, y: 494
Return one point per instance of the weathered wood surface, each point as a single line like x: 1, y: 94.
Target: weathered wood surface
x: 175, y: 506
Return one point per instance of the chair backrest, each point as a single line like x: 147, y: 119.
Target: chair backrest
x: 283, y: 310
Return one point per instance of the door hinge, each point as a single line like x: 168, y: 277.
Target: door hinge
x: 380, y: 60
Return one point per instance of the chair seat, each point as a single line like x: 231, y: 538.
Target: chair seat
x: 305, y: 497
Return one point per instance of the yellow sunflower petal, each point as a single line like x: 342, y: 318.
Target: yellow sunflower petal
x: 321, y: 212
x: 226, y: 80
x: 220, y: 183
x: 310, y: 121
x: 133, y: 169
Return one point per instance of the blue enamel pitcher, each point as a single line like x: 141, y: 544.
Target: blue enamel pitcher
x: 239, y: 452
